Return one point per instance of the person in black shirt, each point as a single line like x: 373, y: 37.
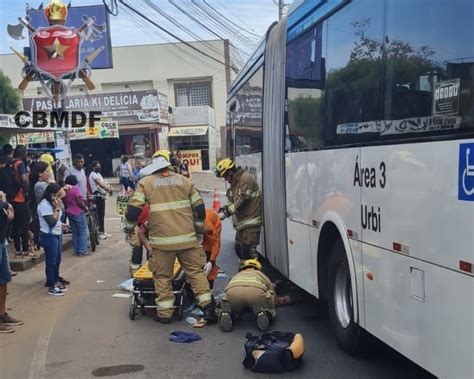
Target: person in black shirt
x: 6, y: 216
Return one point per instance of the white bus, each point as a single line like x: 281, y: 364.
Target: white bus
x: 357, y: 117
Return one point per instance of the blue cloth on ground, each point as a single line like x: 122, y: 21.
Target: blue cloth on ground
x: 184, y: 337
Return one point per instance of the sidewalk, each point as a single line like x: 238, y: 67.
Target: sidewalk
x: 23, y: 264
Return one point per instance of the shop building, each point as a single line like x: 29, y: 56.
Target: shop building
x: 160, y: 96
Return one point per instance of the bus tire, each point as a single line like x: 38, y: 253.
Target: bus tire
x: 350, y: 336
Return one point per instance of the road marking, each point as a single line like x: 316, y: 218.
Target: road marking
x: 38, y: 362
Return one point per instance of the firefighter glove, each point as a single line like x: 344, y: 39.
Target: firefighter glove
x: 208, y: 267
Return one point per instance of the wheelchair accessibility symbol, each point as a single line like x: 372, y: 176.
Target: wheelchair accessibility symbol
x: 466, y: 172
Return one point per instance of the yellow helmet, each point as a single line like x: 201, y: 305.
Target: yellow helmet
x: 162, y: 153
x: 254, y: 263
x: 224, y: 166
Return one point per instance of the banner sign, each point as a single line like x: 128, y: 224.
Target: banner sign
x: 137, y: 107
x: 193, y: 159
x: 102, y: 130
x: 93, y: 37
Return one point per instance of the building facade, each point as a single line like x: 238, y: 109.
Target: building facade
x: 160, y: 96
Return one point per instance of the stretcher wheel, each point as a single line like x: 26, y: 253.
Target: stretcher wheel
x: 133, y: 312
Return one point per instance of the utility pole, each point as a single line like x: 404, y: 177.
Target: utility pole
x: 282, y: 8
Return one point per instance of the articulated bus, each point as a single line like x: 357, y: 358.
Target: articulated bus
x: 357, y: 118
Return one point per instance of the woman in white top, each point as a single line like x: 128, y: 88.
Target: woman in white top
x: 49, y: 214
x: 126, y: 174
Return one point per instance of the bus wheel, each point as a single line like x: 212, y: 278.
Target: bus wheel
x: 348, y: 334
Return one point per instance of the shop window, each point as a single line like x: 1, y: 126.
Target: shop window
x: 193, y: 94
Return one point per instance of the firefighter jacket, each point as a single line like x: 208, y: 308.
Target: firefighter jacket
x: 253, y: 278
x: 172, y: 199
x: 212, y: 240
x: 244, y: 200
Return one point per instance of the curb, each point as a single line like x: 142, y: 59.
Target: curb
x: 23, y: 264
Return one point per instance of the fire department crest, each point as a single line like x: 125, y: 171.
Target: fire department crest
x: 55, y: 59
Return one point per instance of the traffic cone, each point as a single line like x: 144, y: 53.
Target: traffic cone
x: 216, y: 203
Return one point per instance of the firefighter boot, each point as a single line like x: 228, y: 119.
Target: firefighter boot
x: 210, y: 312
x: 225, y: 317
x: 263, y: 318
x: 238, y: 251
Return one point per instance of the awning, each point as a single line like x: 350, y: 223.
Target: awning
x: 186, y: 131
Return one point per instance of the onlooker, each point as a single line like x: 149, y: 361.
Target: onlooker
x: 139, y: 164
x: 183, y: 167
x: 100, y: 188
x: 126, y: 178
x: 39, y: 178
x: 6, y: 215
x: 49, y: 159
x: 49, y: 213
x: 211, y: 244
x: 20, y: 226
x: 43, y: 180
x: 77, y: 170
x: 75, y: 210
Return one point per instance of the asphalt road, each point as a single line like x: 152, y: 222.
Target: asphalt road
x: 88, y: 333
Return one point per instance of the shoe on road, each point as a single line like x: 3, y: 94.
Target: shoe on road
x: 102, y: 236
x: 55, y: 291
x: 6, y: 319
x: 6, y: 329
x: 63, y: 281
x: 108, y: 235
x: 62, y: 287
x: 163, y: 320
x: 13, y: 273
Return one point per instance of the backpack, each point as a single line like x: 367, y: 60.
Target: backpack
x: 273, y: 352
x: 8, y: 182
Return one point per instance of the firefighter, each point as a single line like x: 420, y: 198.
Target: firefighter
x: 175, y: 227
x: 244, y: 204
x: 250, y: 289
x: 212, y: 244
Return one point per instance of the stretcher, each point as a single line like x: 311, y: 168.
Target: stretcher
x: 143, y: 293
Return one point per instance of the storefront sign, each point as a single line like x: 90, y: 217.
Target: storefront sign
x: 40, y: 137
x: 184, y: 131
x: 193, y: 159
x: 101, y: 130
x: 131, y: 107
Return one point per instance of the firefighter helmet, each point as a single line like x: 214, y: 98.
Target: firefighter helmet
x: 224, y: 166
x: 253, y: 263
x: 162, y: 153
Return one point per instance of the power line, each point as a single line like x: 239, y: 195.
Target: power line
x: 237, y: 17
x: 225, y: 18
x: 223, y: 25
x: 171, y: 34
x: 136, y: 19
x: 151, y: 4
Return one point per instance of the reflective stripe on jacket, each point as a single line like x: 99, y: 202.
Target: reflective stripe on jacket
x: 170, y: 220
x: 250, y: 278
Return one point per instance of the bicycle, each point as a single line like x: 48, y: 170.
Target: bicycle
x: 92, y: 221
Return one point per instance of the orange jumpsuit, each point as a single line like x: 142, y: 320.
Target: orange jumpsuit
x: 212, y: 240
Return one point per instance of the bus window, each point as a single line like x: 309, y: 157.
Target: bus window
x: 354, y: 66
x: 429, y: 79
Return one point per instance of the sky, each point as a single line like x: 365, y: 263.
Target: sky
x: 252, y: 15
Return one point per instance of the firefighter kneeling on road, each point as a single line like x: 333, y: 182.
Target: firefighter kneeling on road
x: 250, y: 289
x: 244, y: 205
x: 175, y: 227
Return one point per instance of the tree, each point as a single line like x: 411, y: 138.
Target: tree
x: 9, y: 98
